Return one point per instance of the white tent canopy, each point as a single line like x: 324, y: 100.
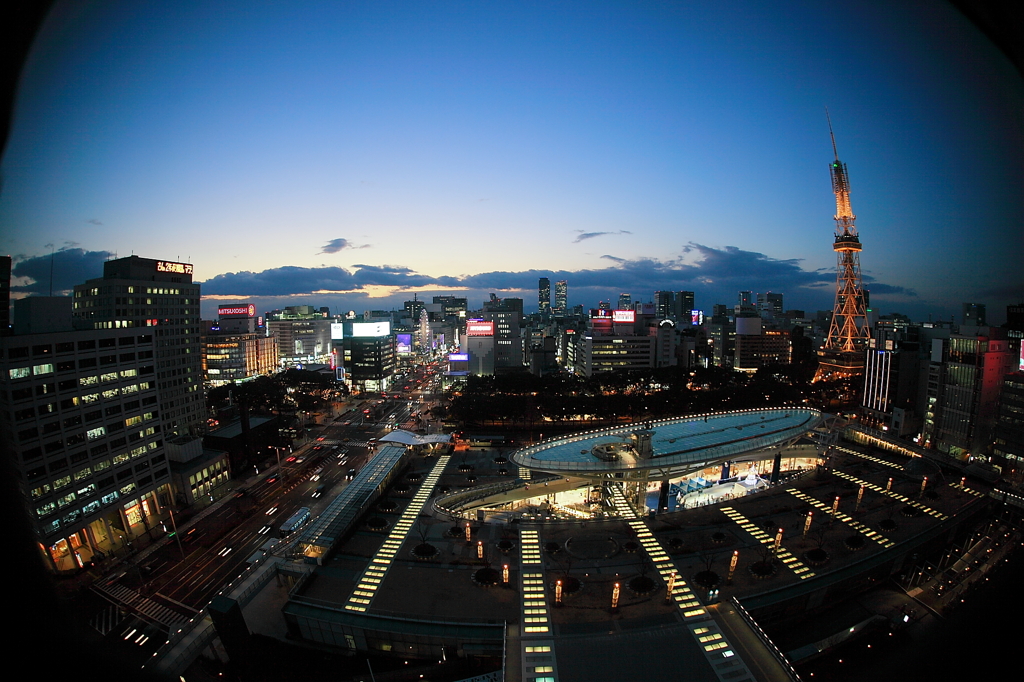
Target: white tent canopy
x: 410, y: 438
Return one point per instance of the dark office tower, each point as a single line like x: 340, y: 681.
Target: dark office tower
x: 453, y: 306
x: 843, y: 352
x: 158, y: 297
x: 544, y: 295
x: 5, y: 295
x: 745, y: 298
x: 974, y: 314
x: 413, y: 309
x: 683, y: 305
x: 561, y: 297
x: 770, y: 302
x: 663, y: 304
x: 625, y: 302
x: 1015, y: 316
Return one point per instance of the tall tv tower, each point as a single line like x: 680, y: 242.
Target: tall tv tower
x: 843, y: 352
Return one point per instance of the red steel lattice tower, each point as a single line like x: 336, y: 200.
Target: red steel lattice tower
x: 848, y: 334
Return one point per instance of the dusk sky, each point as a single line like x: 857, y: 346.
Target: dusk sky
x: 351, y: 154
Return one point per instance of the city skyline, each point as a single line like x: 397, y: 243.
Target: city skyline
x: 355, y: 156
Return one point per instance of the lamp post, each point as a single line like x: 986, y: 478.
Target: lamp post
x: 615, y: 597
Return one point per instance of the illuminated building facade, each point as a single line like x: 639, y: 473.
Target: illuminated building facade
x: 1009, y: 433
x: 754, y: 351
x: 964, y: 391
x: 843, y: 351
x: 544, y: 296
x: 236, y: 348
x: 81, y: 420
x: 891, y: 380
x: 369, y: 355
x: 159, y: 298
x: 507, y: 315
x: 561, y: 297
x: 303, y: 335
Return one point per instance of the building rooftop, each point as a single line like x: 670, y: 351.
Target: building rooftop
x: 676, y: 444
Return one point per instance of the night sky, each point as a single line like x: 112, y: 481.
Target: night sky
x: 351, y: 154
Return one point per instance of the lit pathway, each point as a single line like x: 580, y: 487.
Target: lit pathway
x: 896, y: 496
x: 536, y: 637
x: 969, y: 491
x: 870, y: 458
x: 378, y: 567
x: 783, y: 555
x: 719, y: 653
x: 845, y: 518
x: 682, y: 595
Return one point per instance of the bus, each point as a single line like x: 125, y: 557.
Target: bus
x: 295, y: 521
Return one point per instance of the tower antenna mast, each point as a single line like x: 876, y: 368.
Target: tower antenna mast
x: 843, y: 352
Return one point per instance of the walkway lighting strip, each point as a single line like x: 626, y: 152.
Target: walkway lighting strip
x: 856, y: 525
x: 876, y: 460
x: 535, y: 617
x: 374, y: 574
x: 971, y: 491
x: 896, y: 496
x: 682, y: 595
x: 783, y: 555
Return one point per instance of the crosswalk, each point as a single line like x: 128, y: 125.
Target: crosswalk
x: 144, y: 607
x: 107, y: 619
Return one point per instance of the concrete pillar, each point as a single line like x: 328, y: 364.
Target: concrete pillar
x: 663, y: 496
x: 776, y: 467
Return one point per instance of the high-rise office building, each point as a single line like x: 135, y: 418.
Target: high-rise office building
x: 102, y: 402
x: 684, y: 306
x: 769, y: 305
x: 561, y: 297
x: 625, y: 302
x: 964, y: 380
x: 544, y: 295
x: 159, y: 297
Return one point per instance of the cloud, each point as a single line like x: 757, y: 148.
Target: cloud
x: 590, y: 235
x: 335, y: 245
x: 290, y: 280
x: 69, y: 266
x: 715, y: 273
x: 93, y: 221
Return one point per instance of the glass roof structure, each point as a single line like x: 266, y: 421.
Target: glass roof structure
x: 678, y: 445
x: 320, y: 536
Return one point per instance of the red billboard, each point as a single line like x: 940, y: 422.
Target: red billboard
x: 479, y: 329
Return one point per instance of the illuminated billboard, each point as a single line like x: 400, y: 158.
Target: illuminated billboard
x: 599, y: 312
x: 240, y: 310
x: 370, y: 329
x: 479, y: 329
x: 696, y: 317
x: 624, y: 316
x: 458, y: 357
x: 403, y: 344
x: 178, y: 268
x: 337, y: 331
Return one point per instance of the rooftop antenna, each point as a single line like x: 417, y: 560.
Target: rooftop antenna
x: 827, y: 118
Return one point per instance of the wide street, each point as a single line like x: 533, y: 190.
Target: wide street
x: 153, y: 591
